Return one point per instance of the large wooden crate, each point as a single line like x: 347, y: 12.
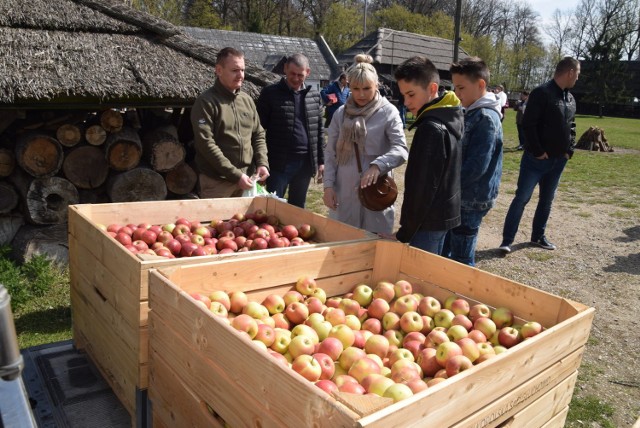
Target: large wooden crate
x: 200, y: 367
x: 109, y: 285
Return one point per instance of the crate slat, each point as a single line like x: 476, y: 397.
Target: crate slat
x: 528, y: 395
x: 174, y: 404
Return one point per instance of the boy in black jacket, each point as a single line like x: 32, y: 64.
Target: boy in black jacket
x: 432, y: 179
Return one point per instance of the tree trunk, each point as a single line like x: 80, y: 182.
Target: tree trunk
x: 39, y: 154
x: 111, y: 120
x: 50, y: 241
x: 162, y: 149
x: 139, y: 184
x: 86, y: 167
x: 69, y: 135
x: 7, y: 162
x: 95, y: 135
x: 8, y: 198
x: 123, y: 149
x: 181, y: 180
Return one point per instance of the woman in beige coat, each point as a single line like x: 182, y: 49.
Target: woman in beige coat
x: 372, y: 122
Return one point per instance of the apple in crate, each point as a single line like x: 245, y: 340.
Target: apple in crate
x: 457, y: 364
x: 503, y: 317
x: 307, y: 366
x: 530, y: 329
x: 429, y: 306
x: 384, y: 290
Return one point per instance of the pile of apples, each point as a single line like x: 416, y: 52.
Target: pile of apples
x: 386, y: 340
x: 184, y: 238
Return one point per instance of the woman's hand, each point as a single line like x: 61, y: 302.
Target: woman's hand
x: 370, y: 176
x: 329, y: 198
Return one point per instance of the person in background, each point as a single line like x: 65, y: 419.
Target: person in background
x: 520, y: 107
x: 228, y: 139
x: 335, y: 96
x: 371, y: 123
x: 501, y: 96
x: 481, y: 156
x: 431, y: 205
x: 550, y: 135
x: 291, y: 114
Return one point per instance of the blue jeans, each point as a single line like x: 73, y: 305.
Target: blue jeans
x: 545, y: 173
x: 461, y: 241
x: 427, y: 240
x: 296, y: 177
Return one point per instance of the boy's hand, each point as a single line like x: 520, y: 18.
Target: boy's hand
x: 329, y: 198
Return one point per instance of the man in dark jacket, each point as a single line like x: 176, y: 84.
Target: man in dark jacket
x: 431, y: 205
x: 550, y: 137
x: 291, y: 114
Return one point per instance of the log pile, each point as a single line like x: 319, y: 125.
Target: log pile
x: 52, y: 159
x: 593, y: 139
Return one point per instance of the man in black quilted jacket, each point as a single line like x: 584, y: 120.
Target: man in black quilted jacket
x: 291, y: 114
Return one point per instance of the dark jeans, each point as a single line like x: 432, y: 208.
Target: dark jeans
x: 545, y: 173
x: 296, y: 177
x: 460, y: 243
x: 427, y: 240
x: 520, y: 135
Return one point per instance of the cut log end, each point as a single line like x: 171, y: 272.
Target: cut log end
x: 7, y: 162
x: 39, y: 155
x: 139, y: 184
x: 86, y: 167
x: 111, y: 120
x: 181, y: 180
x: 95, y: 135
x: 69, y: 135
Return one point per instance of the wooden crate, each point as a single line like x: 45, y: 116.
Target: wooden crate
x: 212, y: 369
x: 109, y: 285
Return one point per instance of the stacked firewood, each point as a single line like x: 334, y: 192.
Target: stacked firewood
x: 593, y: 139
x: 52, y: 159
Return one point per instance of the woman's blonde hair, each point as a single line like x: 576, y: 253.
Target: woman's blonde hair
x: 362, y: 71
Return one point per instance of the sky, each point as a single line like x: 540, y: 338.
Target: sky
x: 545, y: 8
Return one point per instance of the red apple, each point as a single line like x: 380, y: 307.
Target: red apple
x: 327, y: 386
x: 123, y: 238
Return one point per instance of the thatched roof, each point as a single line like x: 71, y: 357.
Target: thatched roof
x: 101, y: 52
x: 392, y: 47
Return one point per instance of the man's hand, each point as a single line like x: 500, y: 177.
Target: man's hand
x: 320, y: 174
x: 263, y: 173
x: 370, y: 176
x: 329, y: 198
x: 245, y: 182
x: 544, y: 156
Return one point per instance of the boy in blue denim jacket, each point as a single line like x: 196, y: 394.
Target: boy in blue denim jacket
x: 481, y: 155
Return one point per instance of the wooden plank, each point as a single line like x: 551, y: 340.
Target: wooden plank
x: 558, y: 420
x: 94, y: 277
x: 545, y: 408
x: 115, y: 360
x: 546, y: 392
x: 248, y: 383
x: 484, y: 383
x: 173, y: 404
x: 270, y: 270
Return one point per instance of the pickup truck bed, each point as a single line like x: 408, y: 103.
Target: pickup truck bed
x: 64, y: 389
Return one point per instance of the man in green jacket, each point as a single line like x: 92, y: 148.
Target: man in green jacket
x: 229, y: 141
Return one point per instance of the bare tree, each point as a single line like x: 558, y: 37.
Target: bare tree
x: 560, y: 33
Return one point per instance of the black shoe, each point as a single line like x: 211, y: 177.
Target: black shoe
x: 505, y: 248
x: 542, y: 242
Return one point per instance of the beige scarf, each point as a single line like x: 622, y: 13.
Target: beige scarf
x: 353, y: 128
